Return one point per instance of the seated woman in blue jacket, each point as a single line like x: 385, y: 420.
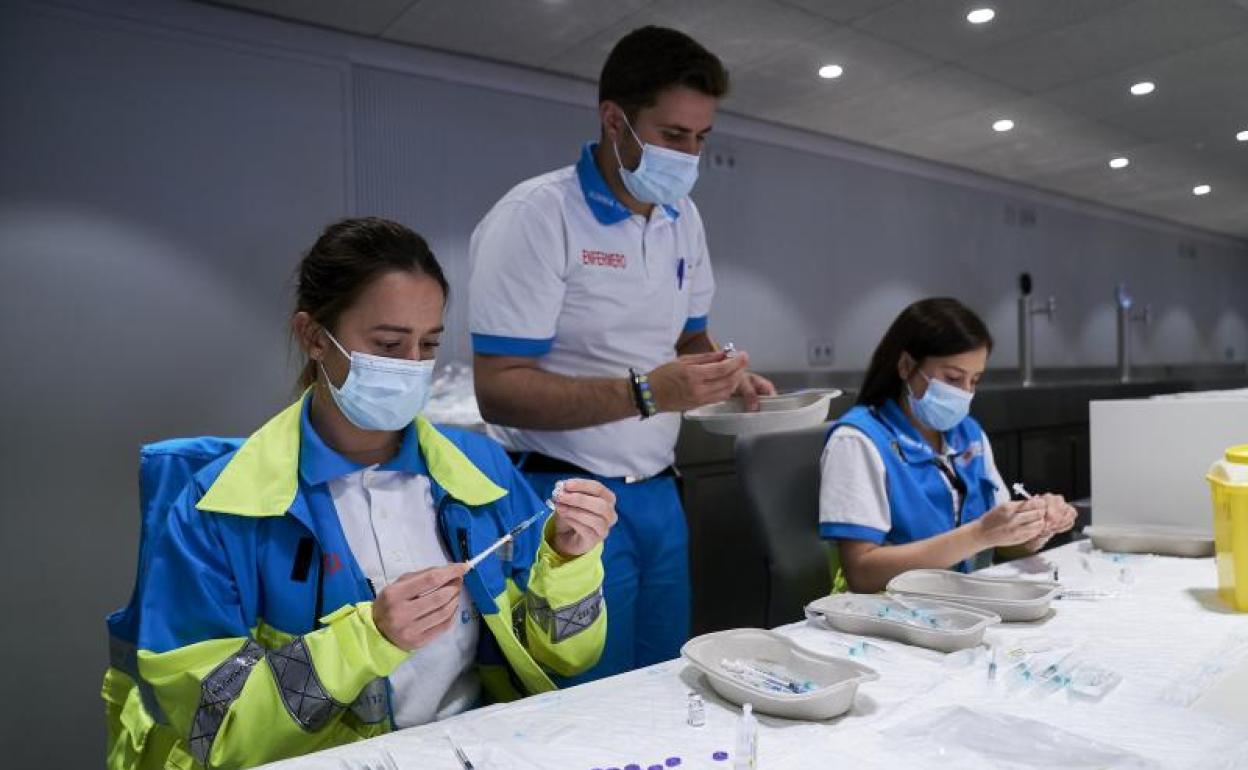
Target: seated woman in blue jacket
x: 908, y: 479
x: 309, y: 589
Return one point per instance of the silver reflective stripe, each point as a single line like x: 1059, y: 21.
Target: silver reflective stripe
x: 372, y: 706
x: 305, y: 697
x: 124, y: 657
x: 216, y: 693
x: 567, y: 621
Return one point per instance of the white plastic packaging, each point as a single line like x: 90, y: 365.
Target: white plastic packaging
x: 746, y: 755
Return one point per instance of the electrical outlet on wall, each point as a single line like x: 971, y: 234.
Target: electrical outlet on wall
x: 820, y: 351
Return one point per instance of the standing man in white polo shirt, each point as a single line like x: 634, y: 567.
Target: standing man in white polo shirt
x: 589, y: 294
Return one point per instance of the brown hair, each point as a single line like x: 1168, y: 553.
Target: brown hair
x: 937, y: 326
x: 652, y: 59
x: 350, y: 255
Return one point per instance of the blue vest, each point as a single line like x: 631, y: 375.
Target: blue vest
x: 919, y: 500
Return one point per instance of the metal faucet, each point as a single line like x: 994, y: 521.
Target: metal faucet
x: 1144, y: 315
x: 1026, y: 327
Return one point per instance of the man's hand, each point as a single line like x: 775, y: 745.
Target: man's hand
x: 697, y: 380
x: 753, y: 386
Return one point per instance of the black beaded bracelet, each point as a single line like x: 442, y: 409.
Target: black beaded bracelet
x: 643, y: 397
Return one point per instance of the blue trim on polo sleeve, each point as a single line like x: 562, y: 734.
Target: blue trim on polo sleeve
x: 696, y: 324
x: 839, y: 531
x: 493, y: 345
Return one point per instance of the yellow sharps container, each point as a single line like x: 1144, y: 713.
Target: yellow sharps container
x: 1228, y: 479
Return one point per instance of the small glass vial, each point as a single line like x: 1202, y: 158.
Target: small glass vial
x: 697, y: 710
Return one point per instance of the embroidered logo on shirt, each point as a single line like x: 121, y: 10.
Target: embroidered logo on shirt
x: 332, y: 562
x: 603, y: 259
x: 973, y: 450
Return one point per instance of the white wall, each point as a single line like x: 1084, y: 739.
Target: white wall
x: 163, y: 164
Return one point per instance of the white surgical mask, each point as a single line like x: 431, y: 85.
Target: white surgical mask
x: 662, y: 177
x: 381, y: 393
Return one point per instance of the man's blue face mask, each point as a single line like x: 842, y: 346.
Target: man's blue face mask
x: 942, y: 407
x: 662, y: 177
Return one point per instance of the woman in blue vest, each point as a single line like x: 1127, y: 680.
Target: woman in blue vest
x: 908, y: 479
x: 309, y: 588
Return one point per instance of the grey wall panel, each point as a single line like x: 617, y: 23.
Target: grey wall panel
x: 155, y: 192
x: 436, y: 156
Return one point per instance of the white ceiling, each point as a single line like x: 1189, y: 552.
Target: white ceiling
x: 919, y: 79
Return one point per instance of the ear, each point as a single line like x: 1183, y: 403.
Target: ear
x: 307, y: 332
x: 905, y: 366
x: 609, y: 115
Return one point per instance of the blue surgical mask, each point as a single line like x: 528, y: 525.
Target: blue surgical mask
x: 381, y: 393
x: 942, y: 407
x: 662, y: 177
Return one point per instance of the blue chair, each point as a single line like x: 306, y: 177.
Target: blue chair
x: 165, y: 468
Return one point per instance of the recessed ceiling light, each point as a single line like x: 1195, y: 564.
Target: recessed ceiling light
x: 829, y: 71
x: 1005, y: 124
x: 1242, y: 136
x: 1142, y: 88
x: 1202, y: 189
x: 981, y: 16
x: 1119, y: 163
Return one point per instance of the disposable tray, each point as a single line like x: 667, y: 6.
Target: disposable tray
x: 1012, y: 600
x: 959, y: 626
x: 1166, y: 541
x: 837, y: 678
x: 788, y: 411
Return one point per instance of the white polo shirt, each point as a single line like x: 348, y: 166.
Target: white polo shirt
x: 389, y: 520
x: 563, y: 272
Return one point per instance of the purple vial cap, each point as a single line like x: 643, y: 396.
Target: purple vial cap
x: 720, y: 756
x: 672, y: 761
x: 633, y: 766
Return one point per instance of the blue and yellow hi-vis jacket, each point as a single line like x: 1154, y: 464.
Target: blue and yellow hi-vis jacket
x: 250, y: 635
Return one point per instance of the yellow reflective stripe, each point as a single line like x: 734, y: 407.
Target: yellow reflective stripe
x: 129, y: 724
x: 527, y: 671
x: 261, y: 726
x: 496, y: 683
x: 562, y: 581
x: 176, y: 676
x: 263, y: 475
x: 262, y: 478
x: 452, y: 469
x: 271, y: 638
x: 568, y: 585
x: 350, y: 652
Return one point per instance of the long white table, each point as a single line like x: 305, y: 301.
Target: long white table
x: 1183, y: 701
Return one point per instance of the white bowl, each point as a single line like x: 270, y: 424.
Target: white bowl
x: 961, y: 626
x: 787, y: 411
x: 837, y: 679
x: 1012, y: 600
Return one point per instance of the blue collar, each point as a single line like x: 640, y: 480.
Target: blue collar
x: 602, y: 202
x: 318, y: 463
x: 912, y: 444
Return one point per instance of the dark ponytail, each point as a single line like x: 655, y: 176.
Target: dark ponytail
x: 350, y: 255
x: 938, y: 326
